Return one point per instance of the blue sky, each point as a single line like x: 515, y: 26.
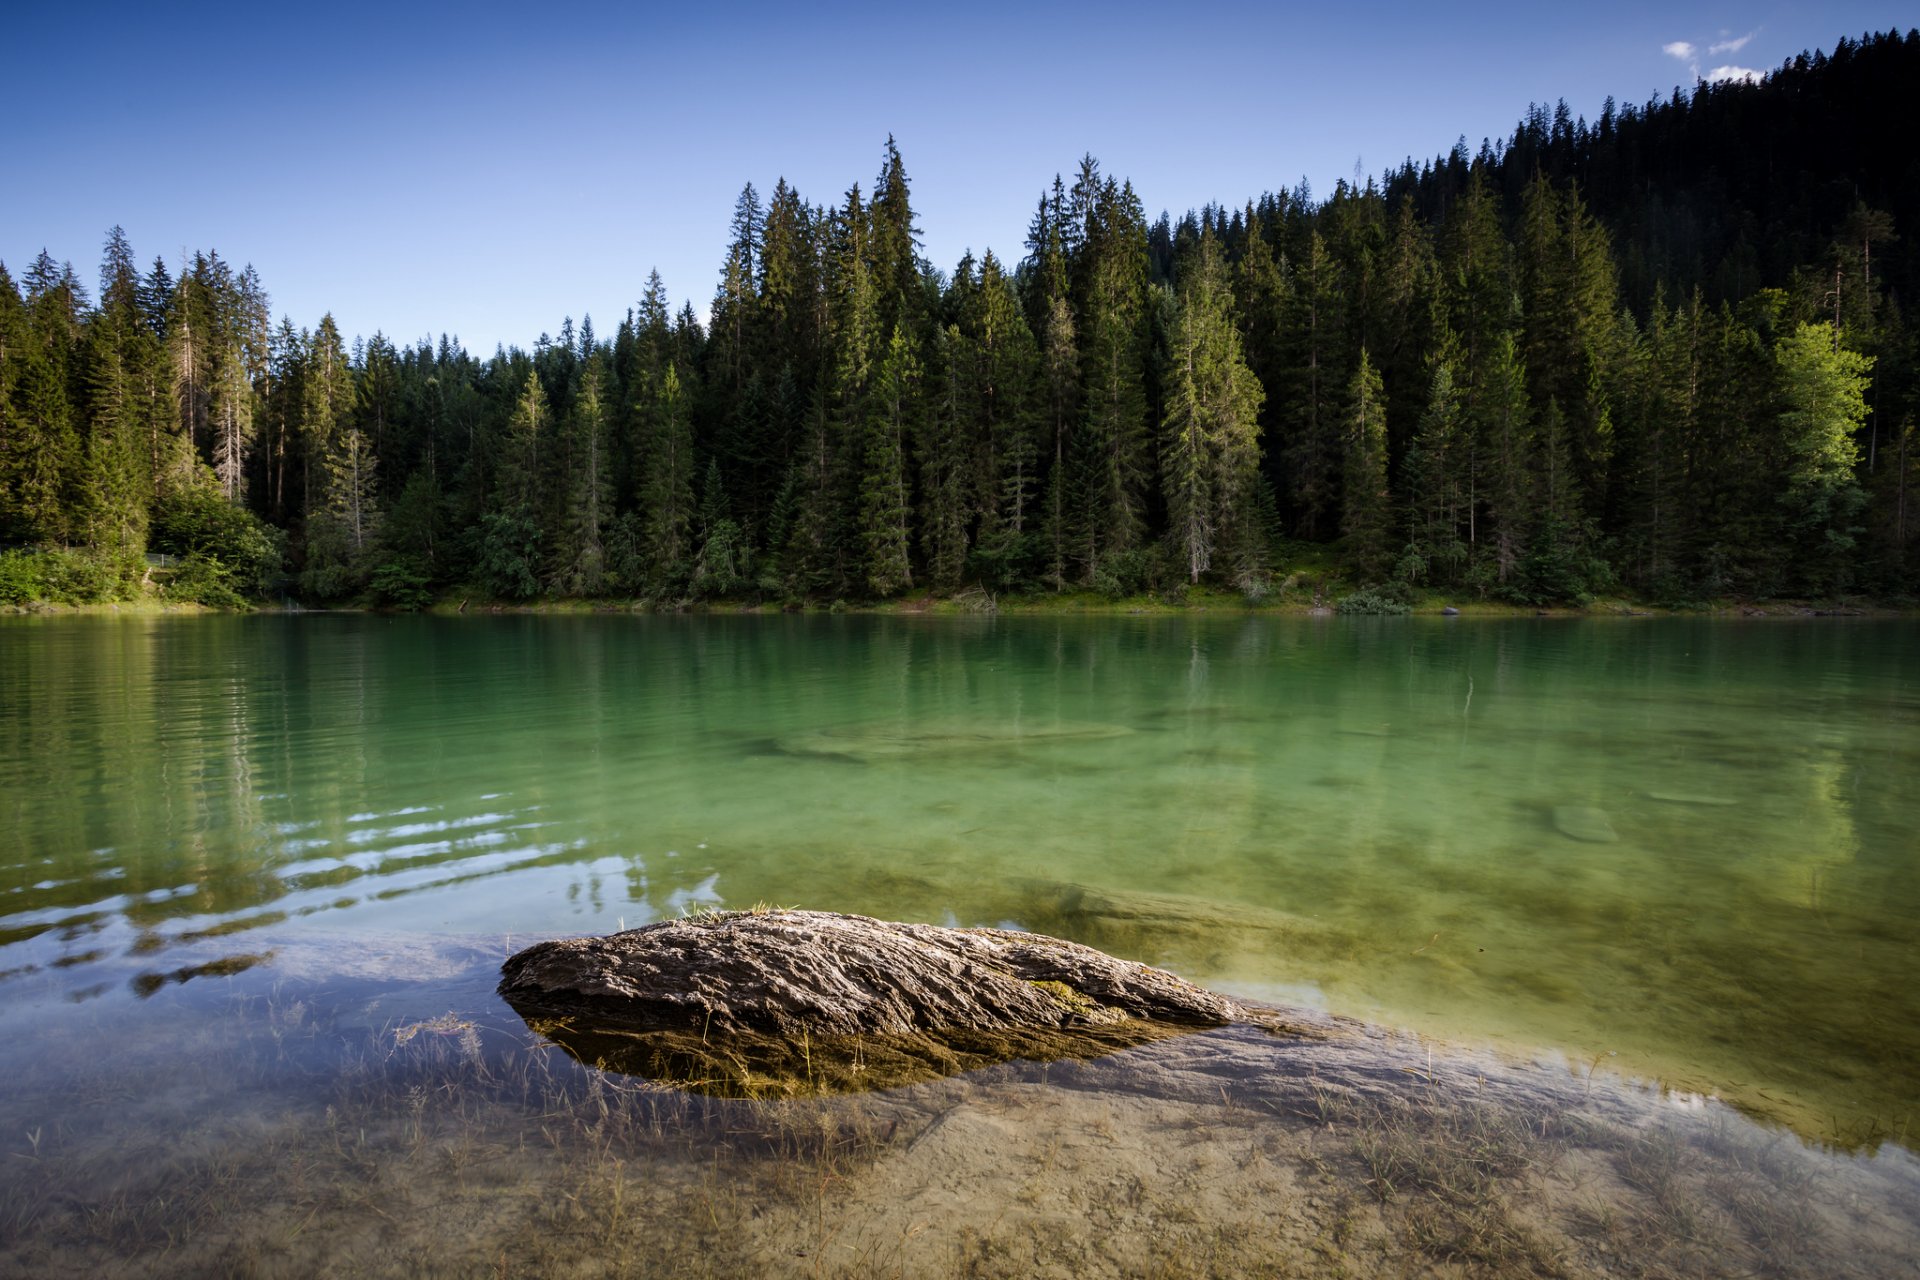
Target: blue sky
x: 486, y: 171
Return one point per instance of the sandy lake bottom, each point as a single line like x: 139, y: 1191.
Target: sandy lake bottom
x: 341, y: 1121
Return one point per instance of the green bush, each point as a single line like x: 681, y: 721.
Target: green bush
x: 1141, y: 571
x: 509, y: 550
x: 400, y: 584
x: 204, y: 580
x: 1560, y: 564
x: 1387, y: 599
x: 200, y: 523
x: 19, y: 577
x: 61, y: 575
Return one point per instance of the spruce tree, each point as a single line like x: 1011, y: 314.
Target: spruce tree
x: 1209, y: 452
x: 1108, y: 462
x: 1434, y: 484
x: 1503, y: 427
x: 1311, y: 444
x: 892, y: 411
x: 588, y: 512
x: 1366, y: 517
x: 944, y: 463
x: 666, y: 502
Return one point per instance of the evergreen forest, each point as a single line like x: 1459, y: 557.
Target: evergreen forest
x: 1662, y: 353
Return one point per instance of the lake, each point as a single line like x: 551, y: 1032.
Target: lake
x: 1675, y: 855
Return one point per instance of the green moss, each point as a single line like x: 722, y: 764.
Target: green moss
x: 1066, y: 996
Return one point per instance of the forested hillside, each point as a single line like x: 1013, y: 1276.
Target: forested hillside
x: 1664, y: 352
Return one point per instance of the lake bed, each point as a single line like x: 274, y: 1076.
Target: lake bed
x: 1652, y: 877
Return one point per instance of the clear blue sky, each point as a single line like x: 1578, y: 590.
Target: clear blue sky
x: 487, y: 171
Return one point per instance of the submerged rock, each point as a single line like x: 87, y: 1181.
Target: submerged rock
x: 1692, y: 798
x: 873, y: 743
x: 1584, y: 822
x: 785, y: 1002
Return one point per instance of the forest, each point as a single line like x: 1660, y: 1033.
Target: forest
x: 1662, y: 355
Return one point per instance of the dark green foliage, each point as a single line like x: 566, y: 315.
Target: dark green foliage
x: 509, y: 553
x: 204, y: 580
x: 1389, y: 598
x: 399, y: 584
x: 201, y: 525
x: 68, y: 576
x: 1665, y: 351
x: 1366, y: 515
x: 1560, y: 566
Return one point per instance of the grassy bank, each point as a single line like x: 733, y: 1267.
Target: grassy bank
x: 1198, y: 600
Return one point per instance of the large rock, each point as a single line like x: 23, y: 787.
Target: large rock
x: 782, y: 1002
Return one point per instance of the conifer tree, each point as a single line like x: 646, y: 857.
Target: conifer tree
x: 719, y: 566
x: 326, y: 387
x: 666, y: 503
x: 883, y: 484
x: 1823, y: 394
x: 894, y: 248
x: 1109, y: 460
x: 519, y: 480
x: 1503, y: 426
x: 1051, y: 309
x: 119, y: 358
x: 41, y: 460
x: 1210, y: 435
x: 1312, y: 431
x: 1366, y: 518
x: 582, y: 547
x: 944, y: 464
x: 1434, y: 487
x: 340, y: 534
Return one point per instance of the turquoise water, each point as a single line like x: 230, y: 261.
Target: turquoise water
x: 1681, y: 849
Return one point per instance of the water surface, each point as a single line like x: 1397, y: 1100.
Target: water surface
x: 1682, y: 850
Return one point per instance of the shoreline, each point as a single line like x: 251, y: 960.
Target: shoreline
x: 1218, y: 604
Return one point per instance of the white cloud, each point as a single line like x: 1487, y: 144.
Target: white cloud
x: 1734, y: 45
x: 1720, y: 74
x: 1680, y: 49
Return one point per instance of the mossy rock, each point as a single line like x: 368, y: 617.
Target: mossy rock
x: 776, y: 1003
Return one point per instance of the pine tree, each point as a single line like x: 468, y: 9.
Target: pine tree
x: 1210, y: 435
x: 1311, y: 444
x: 788, y: 282
x: 1503, y: 427
x: 588, y: 512
x: 895, y: 248
x: 666, y: 503
x: 735, y: 305
x: 40, y: 459
x: 719, y: 568
x: 341, y: 532
x: 326, y: 387
x: 1366, y: 517
x: 119, y: 361
x: 1434, y: 485
x: 1261, y: 293
x: 884, y: 509
x: 520, y: 479
x: 352, y: 489
x: 944, y: 463
x: 1108, y: 461
x: 1050, y: 309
